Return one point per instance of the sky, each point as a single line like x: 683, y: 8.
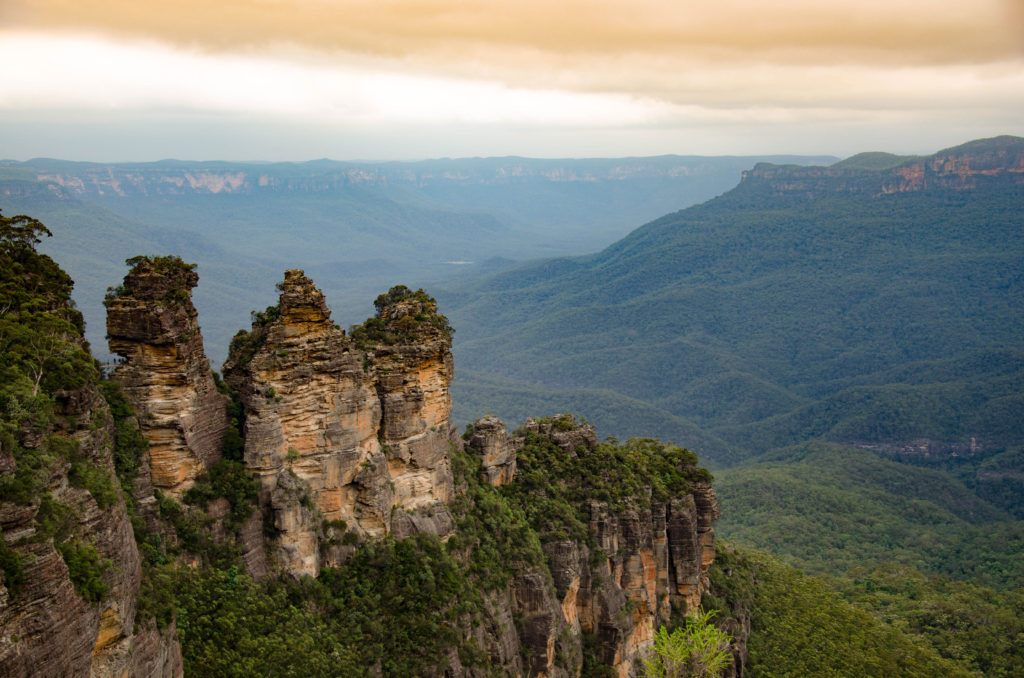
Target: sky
x: 135, y: 80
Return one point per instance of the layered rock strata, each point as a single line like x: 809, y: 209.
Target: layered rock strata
x: 640, y: 566
x: 48, y: 629
x: 152, y: 325
x: 996, y: 162
x: 345, y: 436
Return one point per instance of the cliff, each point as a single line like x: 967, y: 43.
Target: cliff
x: 559, y: 554
x: 624, y: 553
x: 981, y: 163
x: 152, y: 325
x: 345, y: 434
x: 71, y: 569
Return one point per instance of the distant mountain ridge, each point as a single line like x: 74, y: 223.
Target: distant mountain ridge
x: 175, y: 177
x: 962, y: 167
x: 358, y: 227
x: 806, y: 303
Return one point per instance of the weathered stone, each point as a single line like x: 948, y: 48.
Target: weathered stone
x: 497, y: 450
x: 365, y: 432
x: 152, y: 325
x: 645, y: 564
x: 47, y: 628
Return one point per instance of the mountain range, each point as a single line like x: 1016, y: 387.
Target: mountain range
x: 358, y: 227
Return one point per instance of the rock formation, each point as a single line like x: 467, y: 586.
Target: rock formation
x: 71, y: 569
x: 349, y: 438
x: 986, y: 162
x: 640, y: 566
x: 497, y: 450
x: 48, y: 629
x: 152, y: 325
x: 346, y: 432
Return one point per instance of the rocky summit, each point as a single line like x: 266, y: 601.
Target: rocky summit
x: 339, y: 428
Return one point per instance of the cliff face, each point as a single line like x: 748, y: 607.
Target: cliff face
x: 349, y: 439
x: 976, y: 164
x: 344, y: 438
x: 71, y: 570
x: 636, y: 565
x: 152, y: 325
x: 48, y: 629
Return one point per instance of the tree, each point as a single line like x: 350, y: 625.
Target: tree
x: 698, y: 650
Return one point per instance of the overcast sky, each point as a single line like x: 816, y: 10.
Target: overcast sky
x: 115, y: 80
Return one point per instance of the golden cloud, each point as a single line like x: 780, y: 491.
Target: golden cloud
x: 655, y: 47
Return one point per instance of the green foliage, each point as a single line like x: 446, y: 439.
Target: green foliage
x: 36, y: 466
x: 244, y: 345
x: 827, y: 508
x: 233, y: 445
x: 85, y: 568
x: 130, y: 445
x: 394, y: 605
x: 403, y: 317
x: 493, y: 535
x: 192, y: 526
x: 962, y: 621
x: 555, y: 488
x: 172, y: 268
x: 11, y: 566
x: 799, y: 627
x: 698, y: 650
x: 229, y: 479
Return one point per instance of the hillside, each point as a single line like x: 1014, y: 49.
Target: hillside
x: 867, y: 302
x: 356, y: 226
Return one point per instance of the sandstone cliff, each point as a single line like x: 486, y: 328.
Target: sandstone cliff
x: 345, y: 436
x: 152, y: 325
x: 635, y: 560
x: 986, y: 162
x: 585, y: 548
x: 71, y: 570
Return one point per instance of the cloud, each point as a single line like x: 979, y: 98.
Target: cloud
x: 576, y: 44
x: 504, y: 74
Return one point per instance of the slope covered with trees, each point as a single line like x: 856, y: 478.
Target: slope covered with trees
x: 805, y: 303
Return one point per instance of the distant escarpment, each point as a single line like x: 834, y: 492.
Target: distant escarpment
x: 995, y: 161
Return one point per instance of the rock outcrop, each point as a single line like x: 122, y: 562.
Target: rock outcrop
x: 496, y: 448
x: 48, y: 628
x: 152, y: 325
x: 637, y: 567
x: 346, y: 433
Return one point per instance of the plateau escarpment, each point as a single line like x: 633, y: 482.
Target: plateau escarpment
x: 986, y: 162
x: 349, y: 432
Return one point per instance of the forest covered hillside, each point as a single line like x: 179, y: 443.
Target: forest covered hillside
x: 862, y: 305
x: 356, y: 227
